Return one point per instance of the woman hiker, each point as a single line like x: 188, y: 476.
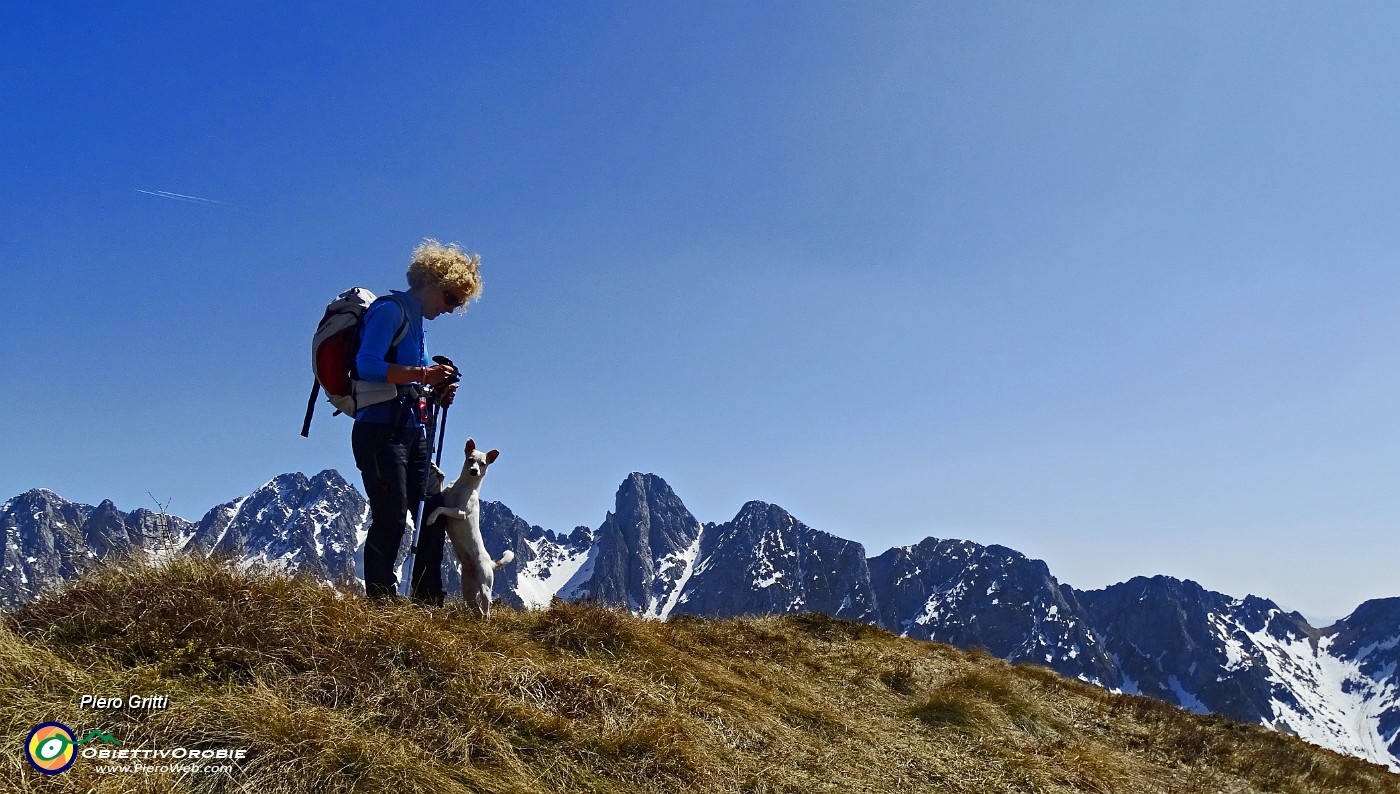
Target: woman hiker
x: 391, y: 438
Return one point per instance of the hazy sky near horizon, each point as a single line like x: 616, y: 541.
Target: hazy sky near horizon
x: 1112, y: 284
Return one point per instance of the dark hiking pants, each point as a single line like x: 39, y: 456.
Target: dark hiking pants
x: 426, y: 583
x: 394, y: 463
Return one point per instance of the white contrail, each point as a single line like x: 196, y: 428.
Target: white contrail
x: 183, y: 197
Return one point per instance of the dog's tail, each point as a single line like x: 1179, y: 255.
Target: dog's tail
x: 505, y: 559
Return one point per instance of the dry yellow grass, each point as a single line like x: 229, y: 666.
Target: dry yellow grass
x: 332, y: 695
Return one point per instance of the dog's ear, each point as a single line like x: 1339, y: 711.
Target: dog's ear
x: 471, y: 446
x: 492, y: 455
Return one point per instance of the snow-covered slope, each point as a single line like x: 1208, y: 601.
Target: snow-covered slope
x: 1249, y: 660
x: 544, y: 560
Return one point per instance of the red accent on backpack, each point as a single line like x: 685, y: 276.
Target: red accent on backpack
x: 333, y: 351
x: 333, y: 359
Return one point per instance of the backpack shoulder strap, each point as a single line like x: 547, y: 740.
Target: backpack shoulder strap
x: 310, y: 408
x: 393, y: 351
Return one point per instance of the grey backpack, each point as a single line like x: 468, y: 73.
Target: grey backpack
x: 333, y: 351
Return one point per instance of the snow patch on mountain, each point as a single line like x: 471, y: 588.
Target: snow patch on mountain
x: 686, y: 560
x: 552, y: 569
x: 577, y: 586
x: 1186, y: 700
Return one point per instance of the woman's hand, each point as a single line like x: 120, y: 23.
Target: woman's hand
x: 428, y: 376
x: 447, y: 395
x: 436, y: 374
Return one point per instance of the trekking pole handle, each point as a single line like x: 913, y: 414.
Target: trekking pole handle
x: 444, y: 361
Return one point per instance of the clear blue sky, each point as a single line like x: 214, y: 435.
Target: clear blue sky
x: 1113, y: 284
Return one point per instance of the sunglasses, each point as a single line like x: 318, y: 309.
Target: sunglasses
x: 451, y: 299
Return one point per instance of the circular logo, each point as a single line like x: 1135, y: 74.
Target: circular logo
x: 51, y: 748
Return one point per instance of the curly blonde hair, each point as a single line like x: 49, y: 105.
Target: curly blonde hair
x: 435, y: 264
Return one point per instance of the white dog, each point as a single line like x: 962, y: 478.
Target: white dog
x: 462, y: 510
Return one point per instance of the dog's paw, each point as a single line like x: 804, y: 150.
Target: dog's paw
x: 505, y: 559
x: 459, y: 515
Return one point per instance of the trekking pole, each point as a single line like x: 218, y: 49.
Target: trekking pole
x: 442, y: 434
x: 406, y: 582
x: 440, y: 421
x: 442, y: 418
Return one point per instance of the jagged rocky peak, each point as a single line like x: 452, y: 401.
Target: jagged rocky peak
x: 1159, y: 600
x: 1247, y: 659
x: 106, y: 512
x: 38, y: 501
x: 914, y: 579
x: 45, y: 540
x: 643, y: 547
x: 1202, y: 650
x: 37, y: 494
x: 765, y: 561
x: 291, y: 522
x: 41, y: 544
x: 109, y: 530
x: 329, y: 478
x: 1260, y: 614
x: 40, y: 516
x: 758, y: 523
x: 290, y: 482
x: 754, y: 521
x: 967, y: 594
x: 498, y: 519
x: 1373, y: 626
x: 759, y: 513
x: 647, y: 497
x: 646, y: 500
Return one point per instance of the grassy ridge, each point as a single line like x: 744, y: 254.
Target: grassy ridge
x: 329, y: 694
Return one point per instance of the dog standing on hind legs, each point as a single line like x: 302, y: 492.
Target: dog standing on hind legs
x: 461, y: 509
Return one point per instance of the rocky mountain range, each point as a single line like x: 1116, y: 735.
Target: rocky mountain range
x: 1162, y: 637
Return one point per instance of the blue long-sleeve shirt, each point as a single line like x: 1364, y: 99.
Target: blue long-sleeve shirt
x: 382, y: 322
